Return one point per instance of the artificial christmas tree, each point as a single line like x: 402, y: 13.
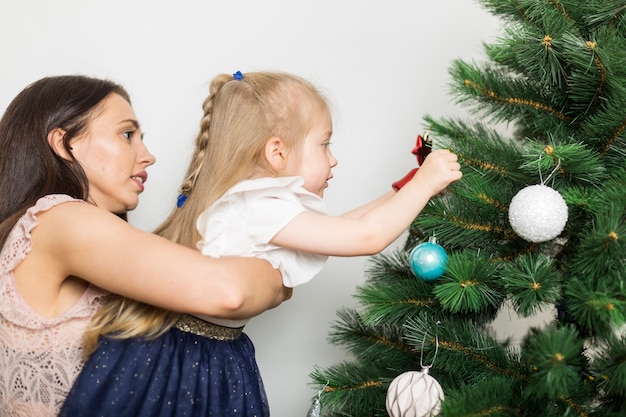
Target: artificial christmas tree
x: 556, y: 78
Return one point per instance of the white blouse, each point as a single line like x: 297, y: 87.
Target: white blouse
x: 244, y: 220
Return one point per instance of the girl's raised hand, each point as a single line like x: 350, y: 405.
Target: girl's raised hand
x: 440, y: 168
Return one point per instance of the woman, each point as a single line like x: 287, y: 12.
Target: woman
x: 72, y: 164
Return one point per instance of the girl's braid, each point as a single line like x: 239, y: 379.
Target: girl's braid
x: 202, y: 140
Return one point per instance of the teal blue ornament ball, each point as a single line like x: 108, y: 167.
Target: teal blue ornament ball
x: 428, y: 260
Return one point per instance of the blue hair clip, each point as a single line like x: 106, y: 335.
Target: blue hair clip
x: 238, y: 75
x: 181, y: 200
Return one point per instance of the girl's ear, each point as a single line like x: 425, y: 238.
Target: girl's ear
x: 55, y: 141
x: 276, y: 153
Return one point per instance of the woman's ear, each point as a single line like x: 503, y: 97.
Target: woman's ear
x: 55, y: 141
x: 276, y: 153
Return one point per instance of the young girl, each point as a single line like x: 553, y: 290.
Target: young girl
x: 255, y: 185
x: 72, y: 163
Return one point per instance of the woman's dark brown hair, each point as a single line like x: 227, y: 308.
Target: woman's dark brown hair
x: 29, y: 168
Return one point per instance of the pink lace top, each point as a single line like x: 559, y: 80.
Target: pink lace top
x: 39, y: 357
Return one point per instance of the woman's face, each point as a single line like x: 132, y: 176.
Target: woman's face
x: 113, y: 156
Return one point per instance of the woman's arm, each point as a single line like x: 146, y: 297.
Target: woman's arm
x: 375, y: 226
x: 90, y: 243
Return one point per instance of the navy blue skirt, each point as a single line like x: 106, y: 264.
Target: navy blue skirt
x: 178, y: 374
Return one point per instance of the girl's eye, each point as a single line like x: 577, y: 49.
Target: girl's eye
x: 129, y: 134
x: 326, y: 145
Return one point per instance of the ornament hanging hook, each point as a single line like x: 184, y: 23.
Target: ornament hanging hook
x: 319, y: 393
x: 558, y: 164
x: 316, y: 407
x: 426, y: 138
x: 427, y: 367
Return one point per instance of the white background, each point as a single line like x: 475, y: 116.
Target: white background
x: 383, y: 65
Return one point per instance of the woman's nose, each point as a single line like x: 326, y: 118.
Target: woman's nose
x: 144, y: 156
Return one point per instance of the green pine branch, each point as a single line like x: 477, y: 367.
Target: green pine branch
x: 549, y: 107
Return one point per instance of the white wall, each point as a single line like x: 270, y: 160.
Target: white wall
x: 382, y: 64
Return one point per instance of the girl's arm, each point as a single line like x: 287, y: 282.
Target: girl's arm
x: 359, y: 211
x: 370, y: 230
x: 87, y: 242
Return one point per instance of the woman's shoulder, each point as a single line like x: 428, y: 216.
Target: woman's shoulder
x: 58, y: 205
x: 31, y: 217
x: 51, y: 200
x: 60, y: 210
x: 19, y: 242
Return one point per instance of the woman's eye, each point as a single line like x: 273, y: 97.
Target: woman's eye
x: 128, y: 135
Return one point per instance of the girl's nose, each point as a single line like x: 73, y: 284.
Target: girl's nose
x: 333, y: 161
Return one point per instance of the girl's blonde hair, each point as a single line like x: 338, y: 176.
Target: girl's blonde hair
x: 240, y: 115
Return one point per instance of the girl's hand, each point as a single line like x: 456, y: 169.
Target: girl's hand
x: 439, y: 169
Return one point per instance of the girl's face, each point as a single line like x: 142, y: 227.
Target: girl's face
x: 314, y: 160
x: 113, y: 156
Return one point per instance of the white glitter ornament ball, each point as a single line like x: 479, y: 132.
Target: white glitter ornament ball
x: 538, y: 213
x: 414, y: 394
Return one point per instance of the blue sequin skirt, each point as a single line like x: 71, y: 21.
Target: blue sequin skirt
x: 178, y: 374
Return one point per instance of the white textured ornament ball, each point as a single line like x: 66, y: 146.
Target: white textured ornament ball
x: 414, y: 394
x: 538, y: 213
